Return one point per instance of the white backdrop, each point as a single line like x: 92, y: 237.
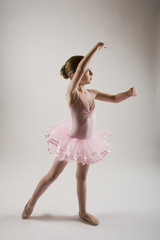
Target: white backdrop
x: 37, y: 37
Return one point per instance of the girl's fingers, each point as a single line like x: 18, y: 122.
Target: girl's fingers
x: 133, y: 92
x: 101, y: 44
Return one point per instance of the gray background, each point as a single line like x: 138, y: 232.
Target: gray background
x: 37, y: 37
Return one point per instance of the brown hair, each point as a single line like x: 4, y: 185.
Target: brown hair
x: 70, y: 66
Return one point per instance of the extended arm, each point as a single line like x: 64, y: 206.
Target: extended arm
x: 114, y: 98
x: 103, y: 96
x: 132, y: 92
x: 122, y: 96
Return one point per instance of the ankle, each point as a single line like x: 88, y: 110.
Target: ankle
x: 29, y: 205
x: 82, y: 212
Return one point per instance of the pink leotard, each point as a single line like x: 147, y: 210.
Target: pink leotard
x: 83, y: 119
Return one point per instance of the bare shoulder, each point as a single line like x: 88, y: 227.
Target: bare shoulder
x: 94, y: 91
x: 71, y: 95
x: 70, y: 92
x: 68, y: 88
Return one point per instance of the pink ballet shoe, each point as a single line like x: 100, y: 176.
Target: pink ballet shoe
x: 89, y: 218
x: 24, y: 214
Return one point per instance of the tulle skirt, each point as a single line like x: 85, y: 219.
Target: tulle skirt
x: 84, y: 151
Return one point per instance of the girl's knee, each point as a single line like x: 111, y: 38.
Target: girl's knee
x: 81, y: 178
x: 56, y: 170
x: 81, y: 172
x: 52, y: 177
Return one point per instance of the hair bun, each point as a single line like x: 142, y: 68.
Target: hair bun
x: 63, y: 72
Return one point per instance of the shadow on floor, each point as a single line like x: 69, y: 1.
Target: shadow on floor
x: 49, y: 217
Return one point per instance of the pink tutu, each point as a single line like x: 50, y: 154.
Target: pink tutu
x: 85, y: 151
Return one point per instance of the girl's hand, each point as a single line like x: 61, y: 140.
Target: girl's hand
x: 101, y: 45
x: 132, y: 91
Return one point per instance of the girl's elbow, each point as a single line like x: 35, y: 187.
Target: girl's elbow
x: 115, y: 100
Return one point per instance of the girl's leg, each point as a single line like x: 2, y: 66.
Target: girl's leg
x: 44, y: 183
x: 81, y: 175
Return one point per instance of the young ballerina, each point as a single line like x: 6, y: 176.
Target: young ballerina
x: 78, y: 140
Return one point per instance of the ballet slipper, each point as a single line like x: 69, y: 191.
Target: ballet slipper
x: 24, y: 214
x: 90, y: 218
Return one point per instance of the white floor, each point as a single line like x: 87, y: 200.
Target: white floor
x: 123, y: 195
x: 50, y: 225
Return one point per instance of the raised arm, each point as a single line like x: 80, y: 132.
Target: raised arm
x: 83, y: 66
x: 85, y: 62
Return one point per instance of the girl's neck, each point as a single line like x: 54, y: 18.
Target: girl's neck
x: 81, y: 88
